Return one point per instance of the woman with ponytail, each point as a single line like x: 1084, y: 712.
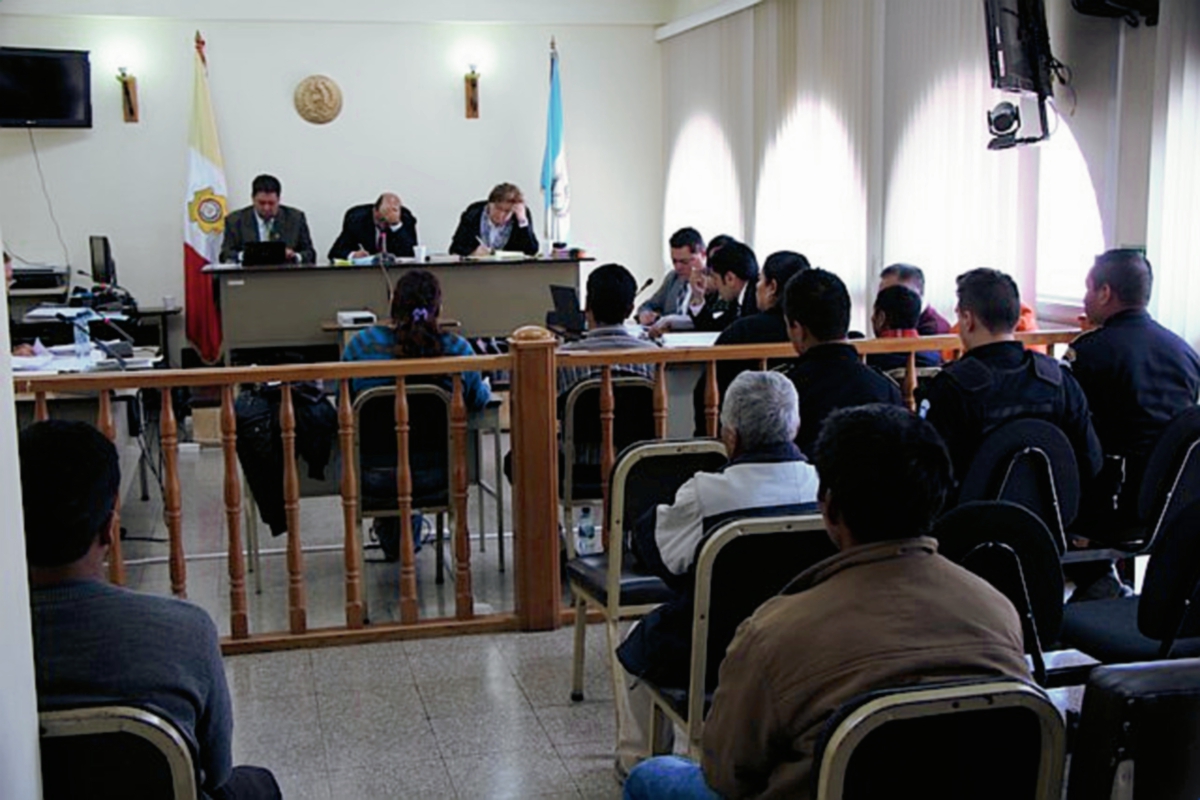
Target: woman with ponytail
x: 414, y: 333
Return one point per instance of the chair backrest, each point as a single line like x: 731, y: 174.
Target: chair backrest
x: 1139, y: 733
x: 633, y: 414
x: 1010, y: 548
x: 753, y: 564
x: 1029, y: 462
x: 1171, y: 481
x: 429, y: 440
x: 647, y: 474
x: 1169, y: 607
x: 986, y: 740
x: 743, y: 563
x: 114, y: 752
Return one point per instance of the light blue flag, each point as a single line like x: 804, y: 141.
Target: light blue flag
x: 556, y: 188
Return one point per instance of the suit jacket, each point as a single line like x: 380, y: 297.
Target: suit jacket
x: 466, y: 235
x: 358, y: 228
x: 667, y: 298
x: 291, y: 228
x: 765, y: 327
x: 717, y: 315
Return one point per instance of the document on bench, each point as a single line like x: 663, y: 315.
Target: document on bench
x: 690, y: 339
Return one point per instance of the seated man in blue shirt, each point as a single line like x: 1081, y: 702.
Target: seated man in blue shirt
x: 95, y: 643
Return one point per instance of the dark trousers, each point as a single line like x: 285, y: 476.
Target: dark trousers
x: 248, y: 783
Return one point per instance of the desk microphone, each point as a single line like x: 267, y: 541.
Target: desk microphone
x: 649, y: 282
x: 104, y: 348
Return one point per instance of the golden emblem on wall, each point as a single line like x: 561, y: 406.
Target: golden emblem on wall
x: 207, y: 210
x: 318, y: 99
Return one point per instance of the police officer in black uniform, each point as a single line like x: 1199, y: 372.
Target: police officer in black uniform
x: 998, y: 380
x: 829, y: 374
x: 1137, y: 375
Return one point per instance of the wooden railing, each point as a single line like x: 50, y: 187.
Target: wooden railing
x: 534, y: 437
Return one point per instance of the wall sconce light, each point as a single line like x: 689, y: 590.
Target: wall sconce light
x: 471, y: 84
x: 129, y: 97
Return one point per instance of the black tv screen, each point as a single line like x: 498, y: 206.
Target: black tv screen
x: 45, y: 88
x: 1018, y: 46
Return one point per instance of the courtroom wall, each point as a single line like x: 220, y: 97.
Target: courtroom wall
x: 402, y: 128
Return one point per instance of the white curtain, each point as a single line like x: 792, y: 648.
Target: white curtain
x: 1174, y: 241
x: 814, y: 67
x: 709, y: 127
x: 951, y: 204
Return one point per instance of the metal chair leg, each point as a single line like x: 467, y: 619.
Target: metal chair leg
x: 498, y: 468
x: 580, y: 649
x: 440, y: 569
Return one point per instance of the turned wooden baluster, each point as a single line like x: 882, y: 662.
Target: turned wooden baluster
x: 711, y: 397
x: 464, y: 601
x: 660, y: 401
x: 297, y: 612
x: 607, y: 451
x: 116, y: 562
x: 762, y: 365
x: 354, y: 603
x: 239, y: 621
x: 408, y: 567
x: 909, y: 389
x: 41, y: 411
x: 172, y: 494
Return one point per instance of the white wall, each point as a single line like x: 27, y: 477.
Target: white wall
x: 20, y: 772
x: 402, y: 128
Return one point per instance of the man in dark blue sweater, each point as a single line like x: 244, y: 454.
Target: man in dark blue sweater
x: 95, y: 643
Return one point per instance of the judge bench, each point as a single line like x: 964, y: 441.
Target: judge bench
x: 291, y: 305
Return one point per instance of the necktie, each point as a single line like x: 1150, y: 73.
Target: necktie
x: 270, y: 229
x: 382, y: 243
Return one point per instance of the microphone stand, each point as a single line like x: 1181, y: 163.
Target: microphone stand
x: 104, y: 348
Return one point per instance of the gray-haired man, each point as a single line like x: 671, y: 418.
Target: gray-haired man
x: 765, y: 471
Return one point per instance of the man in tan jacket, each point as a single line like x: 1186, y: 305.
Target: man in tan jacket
x: 886, y: 611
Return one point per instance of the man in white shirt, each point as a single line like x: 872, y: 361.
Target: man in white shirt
x: 766, y: 472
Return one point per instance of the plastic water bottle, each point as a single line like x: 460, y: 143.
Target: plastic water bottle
x: 83, y: 345
x: 585, y: 534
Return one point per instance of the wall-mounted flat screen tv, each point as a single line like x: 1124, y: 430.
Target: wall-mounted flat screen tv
x: 45, y: 88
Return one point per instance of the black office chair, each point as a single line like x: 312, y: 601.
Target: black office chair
x: 1029, y: 462
x: 742, y: 562
x: 111, y: 752
x: 430, y: 454
x: 1139, y: 734
x: 645, y: 475
x: 1170, y: 483
x: 1010, y: 548
x: 1164, y: 621
x: 984, y: 740
x: 633, y: 421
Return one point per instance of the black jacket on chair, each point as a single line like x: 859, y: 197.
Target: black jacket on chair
x: 466, y: 235
x: 359, y: 229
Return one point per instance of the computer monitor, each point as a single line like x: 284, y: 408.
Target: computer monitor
x: 103, y: 269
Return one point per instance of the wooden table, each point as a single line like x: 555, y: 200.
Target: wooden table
x: 286, y: 306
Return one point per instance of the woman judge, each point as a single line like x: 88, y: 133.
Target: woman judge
x: 499, y: 223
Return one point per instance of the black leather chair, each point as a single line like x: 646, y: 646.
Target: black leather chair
x: 1164, y: 621
x: 984, y: 740
x: 741, y: 564
x: 1010, y: 548
x: 1170, y: 483
x: 430, y: 454
x: 111, y: 752
x: 645, y: 475
x: 1029, y: 462
x: 1139, y: 734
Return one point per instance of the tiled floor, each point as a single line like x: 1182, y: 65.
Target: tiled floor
x: 467, y: 717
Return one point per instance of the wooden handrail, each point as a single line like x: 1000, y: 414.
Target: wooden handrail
x: 229, y: 376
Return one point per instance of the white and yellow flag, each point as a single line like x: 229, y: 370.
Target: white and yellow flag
x: 203, y: 216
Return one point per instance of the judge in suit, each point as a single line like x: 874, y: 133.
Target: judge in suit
x: 499, y: 223
x: 386, y: 227
x: 266, y: 220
